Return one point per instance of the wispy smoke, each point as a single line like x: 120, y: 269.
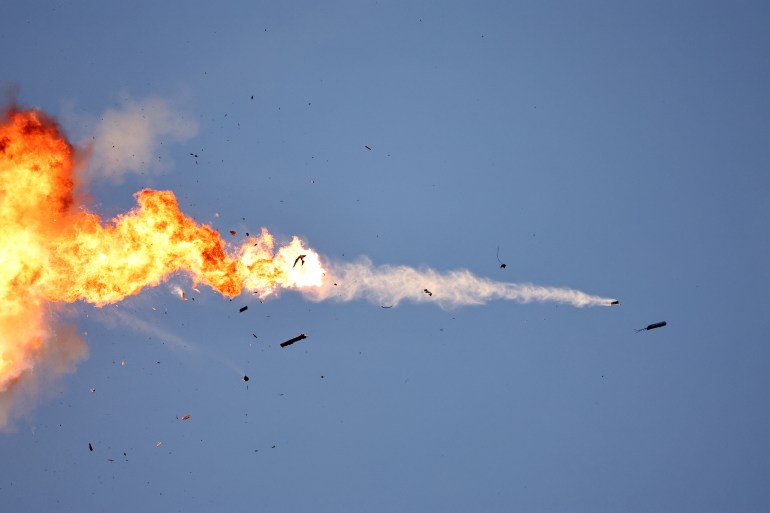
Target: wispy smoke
x: 127, y: 139
x: 389, y: 285
x: 54, y: 357
x: 114, y: 316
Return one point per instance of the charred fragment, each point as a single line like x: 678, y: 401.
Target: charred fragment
x: 90, y: 447
x: 292, y: 340
x: 502, y: 265
x: 243, y: 309
x: 300, y: 258
x: 428, y: 292
x: 652, y: 326
x: 616, y: 302
x: 245, y: 378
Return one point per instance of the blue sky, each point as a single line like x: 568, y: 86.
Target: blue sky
x: 618, y: 148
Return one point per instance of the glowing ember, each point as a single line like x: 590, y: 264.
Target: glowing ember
x: 52, y: 251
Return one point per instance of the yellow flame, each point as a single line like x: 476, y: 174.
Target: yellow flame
x: 51, y: 251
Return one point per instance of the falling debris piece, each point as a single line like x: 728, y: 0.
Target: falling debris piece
x: 232, y: 232
x: 616, y: 302
x: 391, y: 306
x: 243, y: 309
x: 292, y: 340
x: 110, y: 460
x: 502, y: 265
x: 90, y: 447
x: 92, y: 390
x: 367, y: 147
x: 428, y: 292
x: 652, y: 326
x: 184, y: 297
x: 298, y: 259
x: 185, y: 417
x: 245, y: 378
x: 158, y: 444
x: 254, y: 335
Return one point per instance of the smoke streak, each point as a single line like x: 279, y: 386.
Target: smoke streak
x: 389, y: 285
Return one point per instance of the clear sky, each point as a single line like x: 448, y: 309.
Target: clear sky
x: 618, y: 148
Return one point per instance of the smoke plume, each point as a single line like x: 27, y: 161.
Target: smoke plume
x: 55, y: 353
x: 127, y: 139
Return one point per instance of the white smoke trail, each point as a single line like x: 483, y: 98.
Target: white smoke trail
x: 389, y: 285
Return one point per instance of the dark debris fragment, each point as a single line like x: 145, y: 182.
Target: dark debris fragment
x: 652, y: 326
x: 243, y: 309
x: 502, y: 265
x: 292, y: 340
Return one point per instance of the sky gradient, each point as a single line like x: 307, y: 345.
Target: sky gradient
x: 617, y: 148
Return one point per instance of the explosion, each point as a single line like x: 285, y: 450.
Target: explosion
x: 55, y: 251
x: 51, y: 251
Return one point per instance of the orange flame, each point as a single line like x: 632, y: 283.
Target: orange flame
x: 51, y: 251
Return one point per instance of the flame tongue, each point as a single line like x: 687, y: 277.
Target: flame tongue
x: 141, y: 248
x: 51, y: 251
